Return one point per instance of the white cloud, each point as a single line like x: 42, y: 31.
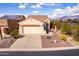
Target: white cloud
x: 35, y: 12
x: 1, y: 15
x: 74, y: 10
x: 22, y: 6
x: 48, y: 4
x: 39, y: 5
x: 52, y: 4
x: 68, y: 11
x: 36, y: 6
x: 58, y: 13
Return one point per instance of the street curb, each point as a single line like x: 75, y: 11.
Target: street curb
x: 42, y: 49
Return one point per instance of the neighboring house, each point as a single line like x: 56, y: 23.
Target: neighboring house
x: 33, y: 24
x: 9, y: 21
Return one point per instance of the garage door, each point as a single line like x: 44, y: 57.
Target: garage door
x: 32, y: 30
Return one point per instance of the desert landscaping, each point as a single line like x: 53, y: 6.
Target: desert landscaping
x: 31, y: 33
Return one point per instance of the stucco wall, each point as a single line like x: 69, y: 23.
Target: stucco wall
x: 31, y: 26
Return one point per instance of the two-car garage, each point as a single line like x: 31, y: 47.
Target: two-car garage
x: 33, y: 24
x: 32, y: 29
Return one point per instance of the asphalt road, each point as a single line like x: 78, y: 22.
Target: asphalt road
x: 72, y: 52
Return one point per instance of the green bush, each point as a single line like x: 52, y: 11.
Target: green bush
x: 6, y: 30
x: 63, y: 37
x: 67, y: 29
x: 51, y: 22
x: 76, y: 33
x: 58, y: 24
x: 76, y: 36
x: 14, y: 33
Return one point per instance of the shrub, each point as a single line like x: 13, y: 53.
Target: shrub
x: 76, y: 33
x: 52, y: 24
x: 6, y: 31
x: 14, y: 33
x: 58, y: 24
x: 76, y: 36
x: 63, y: 37
x: 67, y: 29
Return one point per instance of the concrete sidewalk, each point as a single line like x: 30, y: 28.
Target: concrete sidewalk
x: 28, y: 41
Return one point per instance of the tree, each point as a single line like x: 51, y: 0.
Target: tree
x: 52, y: 24
x: 14, y: 33
x: 67, y: 29
x: 58, y: 24
x: 69, y: 20
x: 6, y: 31
x: 76, y: 33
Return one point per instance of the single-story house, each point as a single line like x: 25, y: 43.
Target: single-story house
x: 9, y: 21
x: 33, y: 24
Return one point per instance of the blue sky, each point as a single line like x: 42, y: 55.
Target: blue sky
x: 53, y: 10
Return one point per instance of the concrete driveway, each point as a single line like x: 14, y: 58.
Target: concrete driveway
x: 28, y: 41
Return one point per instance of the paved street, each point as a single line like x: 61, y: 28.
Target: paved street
x: 70, y: 52
x: 28, y: 41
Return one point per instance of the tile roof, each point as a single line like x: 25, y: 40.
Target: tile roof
x: 11, y: 17
x: 41, y: 18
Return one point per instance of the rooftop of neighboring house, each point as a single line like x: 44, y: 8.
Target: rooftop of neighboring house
x: 10, y: 18
x: 41, y: 18
x: 13, y: 17
x: 6, y: 22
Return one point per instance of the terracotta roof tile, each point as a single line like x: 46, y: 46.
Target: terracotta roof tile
x: 12, y: 17
x: 41, y: 18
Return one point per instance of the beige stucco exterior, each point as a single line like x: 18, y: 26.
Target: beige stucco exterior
x: 31, y: 26
x: 2, y: 32
x: 30, y: 21
x: 3, y: 22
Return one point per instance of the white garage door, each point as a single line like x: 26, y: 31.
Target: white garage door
x: 28, y: 30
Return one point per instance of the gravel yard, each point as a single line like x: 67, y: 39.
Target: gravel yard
x: 53, y: 41
x: 6, y: 43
